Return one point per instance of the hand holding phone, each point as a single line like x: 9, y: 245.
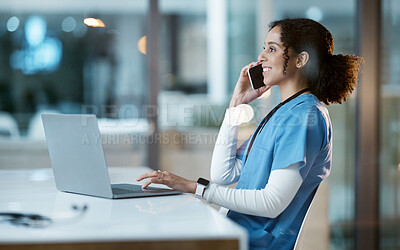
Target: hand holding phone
x: 256, y: 76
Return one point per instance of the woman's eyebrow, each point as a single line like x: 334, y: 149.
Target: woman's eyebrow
x: 275, y: 44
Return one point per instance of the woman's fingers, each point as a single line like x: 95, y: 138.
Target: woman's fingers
x: 168, y: 179
x: 150, y: 175
x: 146, y: 175
x: 152, y: 180
x: 250, y: 65
x: 263, y: 89
x: 155, y: 177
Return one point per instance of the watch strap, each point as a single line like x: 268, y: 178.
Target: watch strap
x: 200, y: 190
x: 202, y: 184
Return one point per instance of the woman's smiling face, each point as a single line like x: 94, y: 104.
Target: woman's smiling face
x: 272, y: 59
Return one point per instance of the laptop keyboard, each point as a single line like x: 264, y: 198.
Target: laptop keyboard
x: 125, y: 191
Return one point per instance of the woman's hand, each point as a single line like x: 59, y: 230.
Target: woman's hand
x: 244, y: 93
x: 171, y: 180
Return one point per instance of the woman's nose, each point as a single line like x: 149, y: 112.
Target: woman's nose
x: 261, y: 57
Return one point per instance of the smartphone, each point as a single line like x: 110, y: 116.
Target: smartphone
x: 256, y: 77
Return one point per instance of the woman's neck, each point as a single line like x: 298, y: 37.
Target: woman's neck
x: 289, y: 89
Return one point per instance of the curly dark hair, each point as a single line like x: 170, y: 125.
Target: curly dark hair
x: 332, y: 78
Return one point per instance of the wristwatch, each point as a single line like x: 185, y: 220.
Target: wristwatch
x: 202, y: 184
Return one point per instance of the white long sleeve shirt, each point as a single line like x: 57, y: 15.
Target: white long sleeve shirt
x: 280, y: 190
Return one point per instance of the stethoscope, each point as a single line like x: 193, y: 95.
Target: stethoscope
x: 269, y: 115
x: 32, y: 220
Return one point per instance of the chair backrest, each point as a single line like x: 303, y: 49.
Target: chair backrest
x: 300, y: 234
x: 224, y: 211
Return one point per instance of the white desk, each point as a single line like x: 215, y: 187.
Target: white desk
x: 166, y: 222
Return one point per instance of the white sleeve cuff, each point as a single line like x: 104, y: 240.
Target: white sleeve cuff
x: 240, y: 114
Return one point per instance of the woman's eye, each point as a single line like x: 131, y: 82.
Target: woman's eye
x: 263, y: 47
x: 271, y: 49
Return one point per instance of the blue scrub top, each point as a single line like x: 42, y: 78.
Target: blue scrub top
x: 299, y: 132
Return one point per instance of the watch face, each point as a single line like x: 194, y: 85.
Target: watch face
x: 203, y: 181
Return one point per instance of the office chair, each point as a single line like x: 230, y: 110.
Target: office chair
x: 300, y: 235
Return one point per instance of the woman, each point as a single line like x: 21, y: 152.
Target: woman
x: 281, y: 165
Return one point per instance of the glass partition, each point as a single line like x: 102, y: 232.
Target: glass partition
x: 390, y: 127
x: 71, y: 57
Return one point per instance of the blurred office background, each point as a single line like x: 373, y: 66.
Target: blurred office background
x: 51, y: 61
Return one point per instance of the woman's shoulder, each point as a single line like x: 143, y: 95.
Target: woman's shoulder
x: 308, y: 106
x: 308, y: 103
x: 305, y: 101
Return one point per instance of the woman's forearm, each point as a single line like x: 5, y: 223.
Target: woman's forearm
x: 271, y: 201
x: 225, y: 167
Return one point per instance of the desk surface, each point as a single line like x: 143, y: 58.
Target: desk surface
x: 165, y: 218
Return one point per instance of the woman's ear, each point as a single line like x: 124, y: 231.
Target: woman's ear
x: 302, y: 59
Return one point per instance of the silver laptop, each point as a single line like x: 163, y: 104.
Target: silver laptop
x: 78, y: 161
